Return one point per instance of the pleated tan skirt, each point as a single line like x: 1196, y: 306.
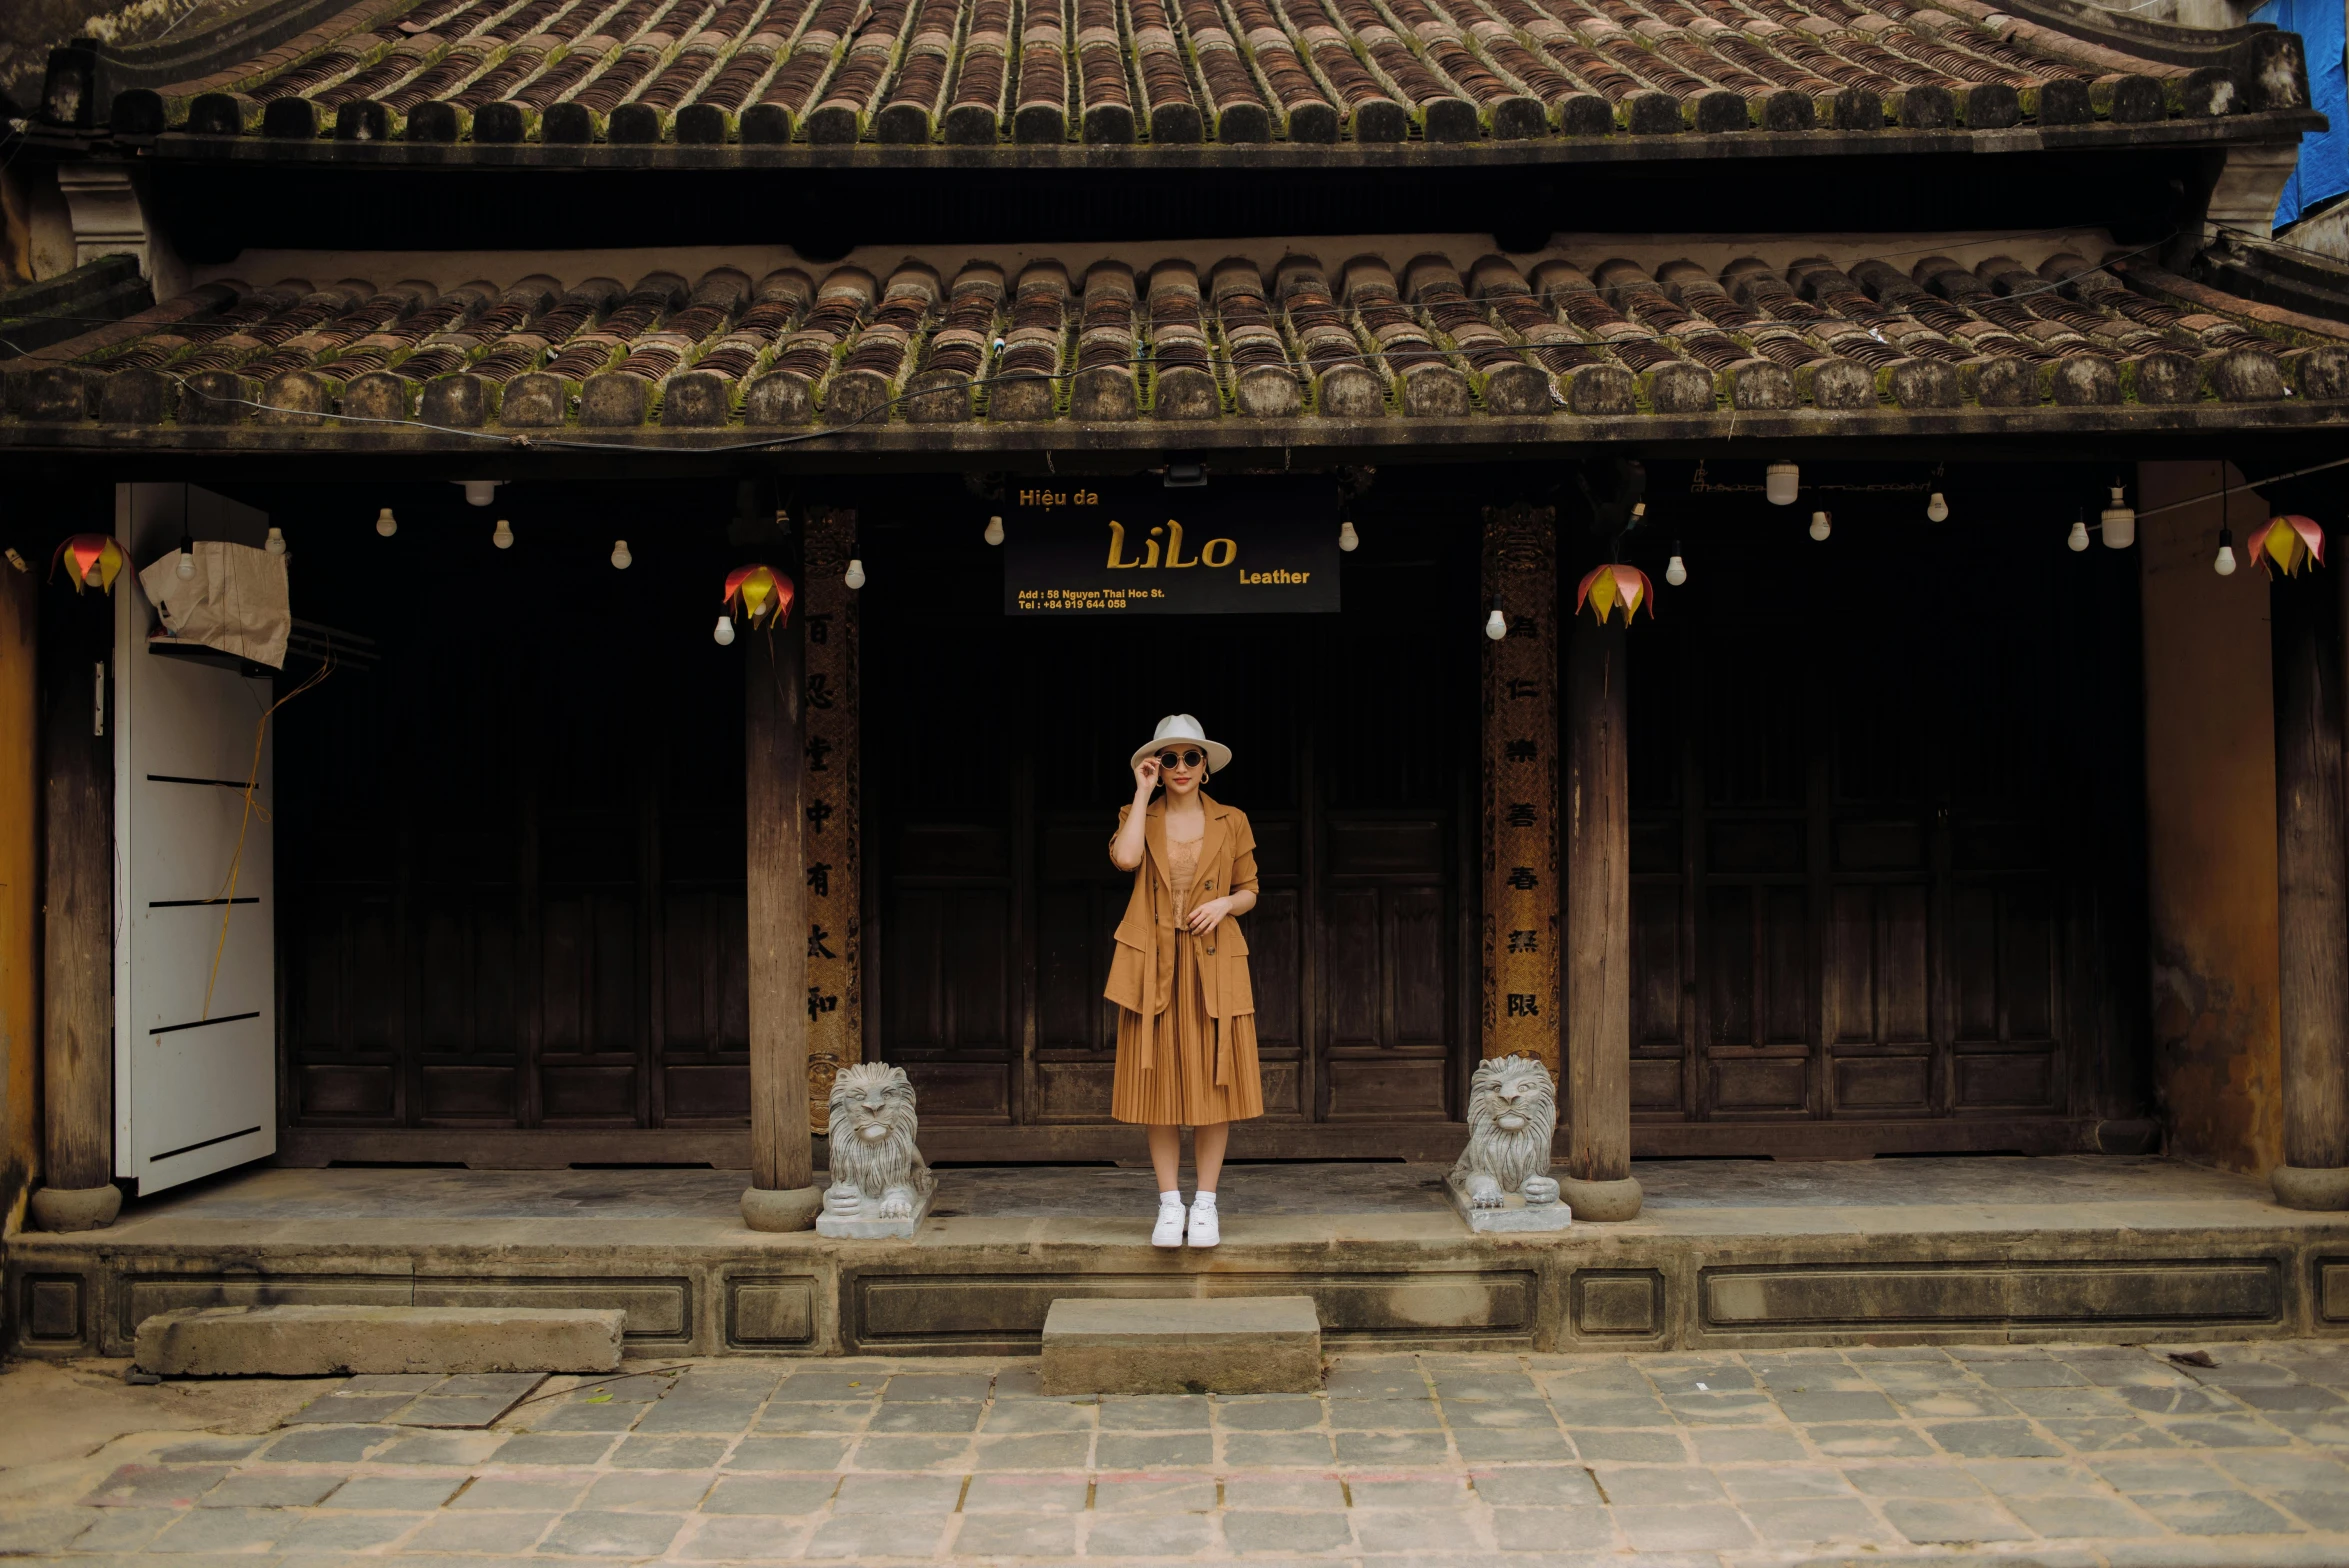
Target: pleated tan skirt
x: 1168, y: 1068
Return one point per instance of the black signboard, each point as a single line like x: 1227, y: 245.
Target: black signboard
x: 1235, y: 546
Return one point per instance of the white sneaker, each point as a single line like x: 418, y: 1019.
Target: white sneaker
x: 1205, y: 1230
x: 1168, y: 1232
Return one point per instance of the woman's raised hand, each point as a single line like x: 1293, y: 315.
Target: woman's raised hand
x: 1146, y: 775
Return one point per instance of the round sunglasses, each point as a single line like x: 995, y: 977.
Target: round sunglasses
x: 1189, y: 759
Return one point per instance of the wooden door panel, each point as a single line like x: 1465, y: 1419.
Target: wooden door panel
x: 1073, y: 1091
x: 602, y: 1093
x: 1273, y: 938
x: 1878, y: 962
x: 1354, y: 1003
x: 2004, y: 963
x: 705, y: 989
x: 951, y: 1090
x: 589, y: 959
x: 1387, y: 1088
x: 1415, y: 961
x: 1758, y: 944
x: 1744, y: 1083
x: 1655, y: 967
x: 1071, y: 955
x: 1656, y: 1084
x: 470, y: 1092
x: 2004, y: 1080
x: 467, y: 1000
x: 1883, y: 1085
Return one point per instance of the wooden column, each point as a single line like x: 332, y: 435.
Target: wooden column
x: 2306, y: 620
x: 1521, y: 787
x: 77, y: 960
x: 835, y: 888
x: 1598, y: 1183
x: 783, y: 1194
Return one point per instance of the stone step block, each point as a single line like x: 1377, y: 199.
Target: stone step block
x: 324, y: 1341
x: 1221, y: 1345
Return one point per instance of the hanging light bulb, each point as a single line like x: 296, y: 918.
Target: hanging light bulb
x: 995, y: 530
x: 855, y: 575
x: 1780, y: 481
x: 620, y: 556
x: 1676, y: 570
x: 1496, y: 625
x: 386, y: 524
x: 1821, y: 525
x: 2077, y: 539
x: 503, y: 538
x: 479, y: 492
x: 1348, y: 539
x: 724, y: 635
x: 1936, y: 508
x: 275, y: 543
x: 2120, y: 522
x: 2225, y: 564
x: 187, y: 560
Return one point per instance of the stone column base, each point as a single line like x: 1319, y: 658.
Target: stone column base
x: 2306, y: 1187
x: 792, y: 1208
x: 76, y: 1208
x: 1601, y: 1200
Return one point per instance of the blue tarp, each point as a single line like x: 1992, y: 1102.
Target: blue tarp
x: 2323, y: 170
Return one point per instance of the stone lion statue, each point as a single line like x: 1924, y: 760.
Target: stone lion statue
x: 873, y: 1153
x: 1512, y: 1110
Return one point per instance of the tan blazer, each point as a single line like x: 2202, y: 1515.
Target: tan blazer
x: 1146, y: 936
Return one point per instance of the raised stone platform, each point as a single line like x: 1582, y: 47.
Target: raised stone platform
x: 1726, y: 1254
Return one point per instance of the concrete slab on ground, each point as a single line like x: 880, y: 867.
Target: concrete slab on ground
x: 381, y: 1338
x: 1222, y: 1345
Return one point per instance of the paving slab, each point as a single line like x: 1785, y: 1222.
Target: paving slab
x: 1393, y: 1481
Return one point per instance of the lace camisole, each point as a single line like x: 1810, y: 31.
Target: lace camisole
x: 1182, y: 867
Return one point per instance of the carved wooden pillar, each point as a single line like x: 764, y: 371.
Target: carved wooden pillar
x: 1598, y: 1184
x: 1521, y: 787
x: 77, y: 961
x: 2307, y: 620
x: 835, y: 980
x: 782, y: 1193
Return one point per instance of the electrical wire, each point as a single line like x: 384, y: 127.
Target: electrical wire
x: 252, y: 782
x: 2272, y: 479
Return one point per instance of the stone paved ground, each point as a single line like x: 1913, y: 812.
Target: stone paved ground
x: 2052, y: 1456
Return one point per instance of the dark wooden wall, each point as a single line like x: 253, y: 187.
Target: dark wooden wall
x: 1887, y: 796
x: 1887, y: 822
x: 511, y: 854
x: 995, y: 764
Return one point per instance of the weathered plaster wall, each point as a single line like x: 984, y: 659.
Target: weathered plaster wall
x: 2211, y: 823
x: 20, y: 821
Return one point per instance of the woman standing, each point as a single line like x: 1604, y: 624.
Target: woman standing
x: 1186, y: 1023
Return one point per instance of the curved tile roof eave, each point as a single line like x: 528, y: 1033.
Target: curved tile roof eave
x: 2269, y: 126
x: 1422, y: 346
x: 1232, y: 79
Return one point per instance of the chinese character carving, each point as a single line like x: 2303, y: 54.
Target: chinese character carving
x: 1522, y: 879
x: 1524, y: 942
x: 1524, y: 1004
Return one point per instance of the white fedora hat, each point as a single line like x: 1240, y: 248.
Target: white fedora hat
x: 1178, y: 727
